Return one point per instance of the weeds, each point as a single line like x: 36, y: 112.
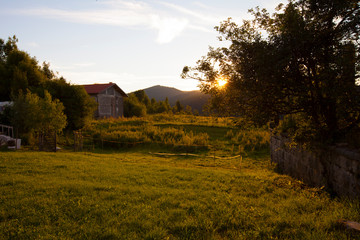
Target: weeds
x: 178, y: 133
x: 250, y: 140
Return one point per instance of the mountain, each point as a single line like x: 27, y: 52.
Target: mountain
x: 195, y: 99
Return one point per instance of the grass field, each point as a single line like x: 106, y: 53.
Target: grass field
x: 136, y: 195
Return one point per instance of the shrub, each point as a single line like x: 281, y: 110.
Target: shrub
x: 253, y: 139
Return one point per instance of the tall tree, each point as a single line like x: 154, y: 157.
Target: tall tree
x: 304, y: 59
x: 20, y: 72
x: 178, y: 107
x: 79, y: 106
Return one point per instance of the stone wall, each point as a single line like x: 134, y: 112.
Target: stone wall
x: 337, y: 169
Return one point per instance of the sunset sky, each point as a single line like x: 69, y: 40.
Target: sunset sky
x: 135, y: 44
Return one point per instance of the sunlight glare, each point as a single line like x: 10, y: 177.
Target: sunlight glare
x: 221, y: 82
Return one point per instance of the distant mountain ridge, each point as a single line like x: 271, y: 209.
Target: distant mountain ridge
x: 195, y: 99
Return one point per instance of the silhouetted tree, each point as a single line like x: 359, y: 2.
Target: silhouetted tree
x: 19, y: 72
x: 306, y: 63
x: 79, y: 106
x: 178, y: 107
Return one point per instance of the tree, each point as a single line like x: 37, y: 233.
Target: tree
x: 79, y: 106
x: 167, y: 104
x: 139, y: 99
x: 178, y: 107
x: 32, y: 113
x: 133, y: 107
x: 20, y: 72
x: 188, y: 110
x: 142, y: 97
x: 303, y: 60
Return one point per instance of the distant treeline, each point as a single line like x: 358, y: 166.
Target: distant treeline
x: 138, y: 104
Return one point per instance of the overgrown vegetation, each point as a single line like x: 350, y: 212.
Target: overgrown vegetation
x: 180, y: 133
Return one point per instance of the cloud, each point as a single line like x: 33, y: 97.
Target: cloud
x: 85, y: 64
x: 33, y: 44
x: 189, y: 12
x: 168, y: 28
x: 116, y: 17
x: 118, y: 13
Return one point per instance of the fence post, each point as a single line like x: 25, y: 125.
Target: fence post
x: 101, y: 138
x: 74, y: 132
x: 81, y: 141
x: 40, y: 141
x: 54, y: 141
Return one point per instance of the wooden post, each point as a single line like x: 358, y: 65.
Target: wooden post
x: 81, y: 141
x: 16, y: 141
x: 54, y: 141
x: 102, y: 140
x: 40, y: 141
x: 74, y: 141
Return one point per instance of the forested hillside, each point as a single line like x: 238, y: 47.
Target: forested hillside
x: 195, y: 99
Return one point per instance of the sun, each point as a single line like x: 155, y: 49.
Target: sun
x: 221, y: 82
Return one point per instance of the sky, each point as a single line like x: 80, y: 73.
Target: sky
x: 133, y: 43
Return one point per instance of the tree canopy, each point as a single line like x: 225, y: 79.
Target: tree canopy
x: 303, y: 60
x: 32, y: 113
x: 138, y: 104
x: 19, y: 72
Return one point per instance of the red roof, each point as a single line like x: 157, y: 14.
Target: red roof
x: 99, y: 87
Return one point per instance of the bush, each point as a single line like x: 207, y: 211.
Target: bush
x: 300, y: 130
x: 134, y: 108
x: 250, y: 140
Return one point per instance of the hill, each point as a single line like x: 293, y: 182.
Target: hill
x: 195, y: 99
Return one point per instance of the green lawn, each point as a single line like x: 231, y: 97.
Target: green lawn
x: 134, y: 195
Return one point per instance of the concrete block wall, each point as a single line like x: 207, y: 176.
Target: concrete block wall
x: 337, y: 169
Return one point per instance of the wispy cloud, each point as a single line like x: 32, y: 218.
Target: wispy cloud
x: 189, y: 12
x: 116, y: 17
x: 127, y: 14
x: 85, y: 64
x: 33, y: 44
x: 168, y: 19
x: 168, y: 28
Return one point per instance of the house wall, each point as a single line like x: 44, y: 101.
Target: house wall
x: 110, y: 104
x: 337, y: 169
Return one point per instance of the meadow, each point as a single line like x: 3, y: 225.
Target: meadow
x: 132, y: 193
x: 172, y: 132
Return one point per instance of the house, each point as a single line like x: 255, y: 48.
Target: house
x: 110, y: 99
